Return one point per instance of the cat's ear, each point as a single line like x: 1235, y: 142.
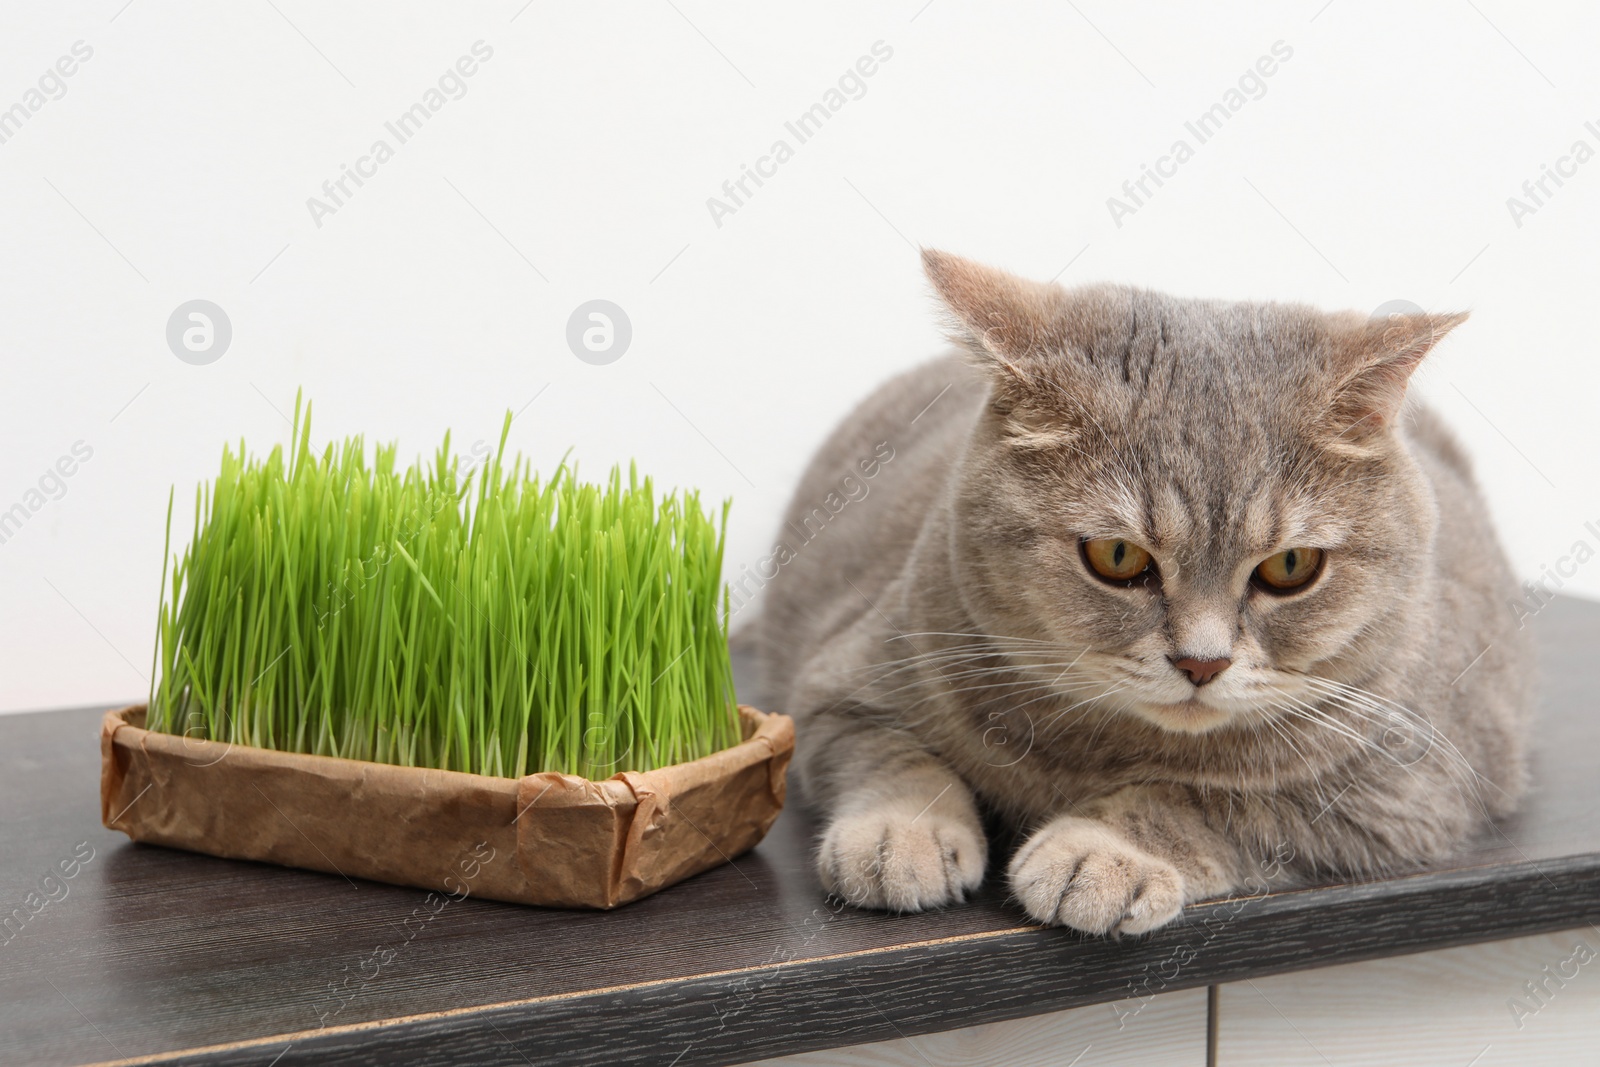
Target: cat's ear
x: 1373, y: 362
x: 1010, y: 324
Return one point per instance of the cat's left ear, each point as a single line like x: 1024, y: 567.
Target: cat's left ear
x: 1374, y: 360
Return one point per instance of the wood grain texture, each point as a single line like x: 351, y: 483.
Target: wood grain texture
x: 1453, y: 1007
x: 150, y: 952
x: 1169, y: 1032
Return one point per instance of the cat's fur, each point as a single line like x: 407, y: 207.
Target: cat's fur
x: 943, y: 645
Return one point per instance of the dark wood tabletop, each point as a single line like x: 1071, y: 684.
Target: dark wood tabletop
x: 146, y: 954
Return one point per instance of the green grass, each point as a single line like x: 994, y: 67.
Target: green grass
x: 489, y: 622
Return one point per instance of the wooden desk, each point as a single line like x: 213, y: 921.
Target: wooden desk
x: 167, y: 955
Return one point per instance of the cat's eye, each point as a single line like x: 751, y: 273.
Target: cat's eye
x: 1289, y: 570
x: 1116, y: 560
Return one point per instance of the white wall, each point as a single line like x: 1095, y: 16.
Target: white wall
x: 178, y: 163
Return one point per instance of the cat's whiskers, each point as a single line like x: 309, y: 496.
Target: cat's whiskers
x: 971, y: 635
x: 1121, y: 707
x: 884, y: 670
x: 1023, y: 681
x: 1062, y: 713
x: 980, y: 647
x: 1383, y: 711
x: 1310, y: 712
x: 999, y: 661
x: 1261, y: 743
x: 1278, y: 728
x: 1043, y: 691
x: 1377, y: 707
x: 1295, y: 708
x: 1370, y: 710
x: 1014, y: 653
x: 939, y: 673
x: 1022, y: 687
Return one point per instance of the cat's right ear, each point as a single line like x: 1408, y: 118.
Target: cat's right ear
x: 1011, y: 325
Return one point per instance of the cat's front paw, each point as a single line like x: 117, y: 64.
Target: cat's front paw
x: 1083, y: 874
x: 901, y: 861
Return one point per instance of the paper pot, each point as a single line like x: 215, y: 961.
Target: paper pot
x: 549, y: 838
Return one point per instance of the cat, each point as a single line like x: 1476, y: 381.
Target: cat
x: 1175, y: 587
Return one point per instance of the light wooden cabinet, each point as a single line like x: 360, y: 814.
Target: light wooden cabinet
x: 1164, y: 1031
x: 1532, y: 1000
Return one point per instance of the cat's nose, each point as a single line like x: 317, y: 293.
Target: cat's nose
x: 1201, y: 671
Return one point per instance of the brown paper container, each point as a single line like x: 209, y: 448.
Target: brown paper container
x: 548, y: 838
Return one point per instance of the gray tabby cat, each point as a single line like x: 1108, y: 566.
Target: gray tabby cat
x: 1179, y: 586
